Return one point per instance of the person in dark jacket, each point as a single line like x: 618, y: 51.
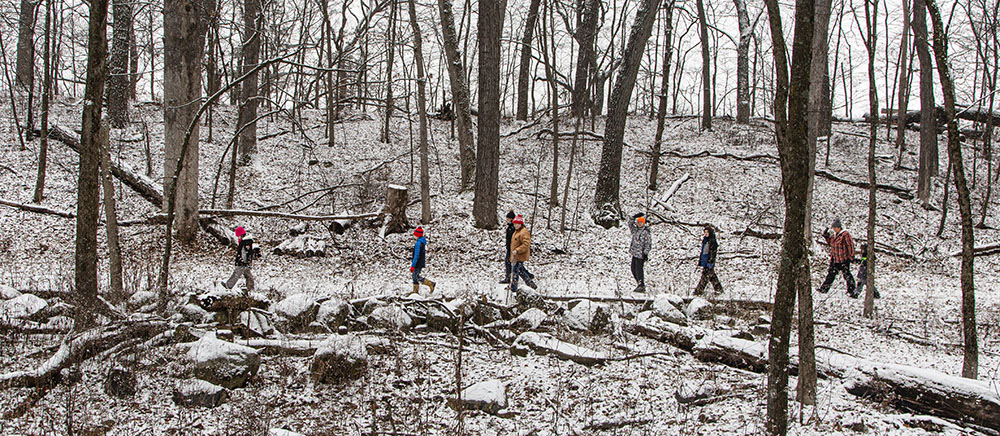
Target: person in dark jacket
x: 639, y: 249
x: 841, y: 254
x: 506, y: 259
x: 245, y: 254
x: 863, y: 273
x: 419, y: 261
x: 706, y: 260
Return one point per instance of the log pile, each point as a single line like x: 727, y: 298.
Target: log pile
x: 302, y: 246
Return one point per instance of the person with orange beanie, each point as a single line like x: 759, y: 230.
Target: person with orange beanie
x: 639, y: 249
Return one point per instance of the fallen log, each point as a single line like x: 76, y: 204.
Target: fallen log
x: 545, y: 344
x: 37, y: 209
x: 905, y: 194
x: 984, y: 250
x: 663, y: 200
x: 271, y: 214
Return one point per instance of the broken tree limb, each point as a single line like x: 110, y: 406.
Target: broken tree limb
x: 545, y: 344
x: 271, y: 214
x: 37, y: 209
x: 985, y: 250
x: 905, y: 194
x: 663, y: 201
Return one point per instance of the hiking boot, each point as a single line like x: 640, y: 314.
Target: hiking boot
x: 416, y: 289
x: 853, y: 294
x: 505, y: 281
x: 877, y: 295
x: 430, y: 285
x: 640, y: 289
x: 532, y: 285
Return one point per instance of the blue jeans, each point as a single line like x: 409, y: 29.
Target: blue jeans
x: 416, y: 276
x: 518, y: 270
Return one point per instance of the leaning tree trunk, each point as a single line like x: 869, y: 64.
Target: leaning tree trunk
x: 87, y: 190
x: 661, y: 110
x: 706, y: 69
x: 418, y: 57
x: 490, y: 29
x: 110, y: 217
x: 871, y: 20
x: 586, y: 37
x: 524, y: 66
x: 246, y: 124
x: 184, y: 27
x: 742, y: 63
x: 970, y: 365
x: 793, y: 148
x: 118, y: 80
x: 43, y: 146
x: 25, y: 73
x: 904, y: 85
x: 459, y: 95
x: 607, y: 206
x: 927, y: 165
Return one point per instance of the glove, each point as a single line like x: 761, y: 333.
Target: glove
x: 711, y: 266
x: 412, y: 269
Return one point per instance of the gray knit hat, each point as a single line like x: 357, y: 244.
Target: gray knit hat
x: 837, y: 224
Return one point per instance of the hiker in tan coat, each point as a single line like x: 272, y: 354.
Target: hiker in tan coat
x: 520, y: 252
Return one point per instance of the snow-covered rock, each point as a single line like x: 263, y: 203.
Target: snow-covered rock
x: 664, y: 308
x: 489, y: 396
x: 198, y: 393
x: 141, y: 299
x: 194, y: 313
x: 22, y: 307
x: 691, y: 391
x: 391, y: 317
x: 333, y: 313
x: 698, y: 308
x: 588, y: 315
x: 529, y: 320
x: 338, y: 359
x: 223, y: 363
x: 298, y: 309
x: 543, y: 343
x: 7, y: 292
x: 527, y: 298
x: 439, y: 320
x: 255, y: 323
x: 120, y: 383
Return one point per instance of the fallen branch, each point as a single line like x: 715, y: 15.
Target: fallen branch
x: 37, y: 209
x: 271, y: 214
x: 985, y: 250
x: 662, y: 201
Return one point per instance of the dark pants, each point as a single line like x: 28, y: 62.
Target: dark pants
x: 507, y: 266
x: 863, y: 281
x: 519, y: 271
x: 417, y: 279
x: 637, y: 270
x: 831, y: 275
x: 708, y: 275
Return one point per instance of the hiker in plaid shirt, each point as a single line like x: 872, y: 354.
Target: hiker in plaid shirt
x: 841, y: 254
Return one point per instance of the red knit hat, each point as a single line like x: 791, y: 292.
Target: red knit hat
x: 418, y: 232
x: 518, y: 220
x: 240, y: 232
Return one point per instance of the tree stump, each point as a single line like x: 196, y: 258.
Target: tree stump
x: 396, y: 199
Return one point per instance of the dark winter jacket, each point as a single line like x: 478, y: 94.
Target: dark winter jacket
x: 510, y: 234
x: 245, y: 252
x: 419, y: 253
x: 709, y: 249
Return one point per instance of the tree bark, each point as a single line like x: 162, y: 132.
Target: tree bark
x: 706, y: 69
x: 607, y: 206
x: 110, y: 217
x: 904, y: 84
x: 661, y: 110
x: 819, y: 97
x: 87, y: 193
x: 25, y: 46
x: 791, y: 129
x: 418, y: 57
x: 118, y: 80
x: 43, y: 147
x: 490, y: 30
x: 184, y: 25
x: 927, y: 162
x: 524, y: 66
x: 871, y: 20
x: 246, y: 124
x: 970, y: 364
x: 742, y: 62
x: 459, y: 95
x: 586, y: 37
x: 386, y: 136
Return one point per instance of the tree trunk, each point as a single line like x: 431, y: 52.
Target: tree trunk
x: 549, y: 58
x: 871, y: 20
x: 742, y: 62
x: 927, y: 161
x: 970, y: 365
x: 418, y: 57
x: 819, y: 97
x: 110, y: 217
x: 459, y: 96
x: 43, y: 148
x: 396, y: 200
x: 184, y: 25
x: 661, y: 110
x: 524, y: 67
x: 904, y: 85
x: 246, y: 124
x: 87, y: 190
x: 118, y: 80
x: 385, y: 137
x: 490, y: 30
x: 26, y: 46
x: 607, y: 206
x: 706, y: 69
x: 586, y: 37
x: 793, y: 148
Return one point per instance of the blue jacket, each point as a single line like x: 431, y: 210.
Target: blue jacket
x: 709, y: 249
x: 419, y: 253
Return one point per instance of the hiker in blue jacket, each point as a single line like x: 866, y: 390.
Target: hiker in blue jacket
x: 419, y: 260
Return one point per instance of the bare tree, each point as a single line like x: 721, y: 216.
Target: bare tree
x: 459, y: 96
x: 490, y: 30
x: 970, y: 364
x: 871, y: 40
x: 110, y: 216
x: 661, y: 110
x: 88, y: 186
x: 927, y: 162
x: 904, y: 84
x: 418, y: 57
x: 791, y: 99
x: 819, y: 105
x: 524, y: 66
x: 706, y: 69
x: 118, y: 80
x: 585, y: 36
x: 742, y: 62
x: 607, y: 206
x: 246, y: 124
x: 43, y: 147
x: 386, y: 136
x: 25, y: 46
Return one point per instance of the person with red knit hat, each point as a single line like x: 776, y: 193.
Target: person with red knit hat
x: 520, y: 252
x: 419, y: 261
x: 245, y: 254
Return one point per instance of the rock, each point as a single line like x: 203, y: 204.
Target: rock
x: 255, y: 324
x: 761, y: 330
x: 7, y: 292
x: 333, y: 313
x: 439, y: 320
x: 141, y: 299
x: 528, y: 298
x: 378, y: 346
x: 489, y: 396
x: 318, y: 328
x: 694, y: 391
x: 588, y: 315
x: 764, y: 319
x: 370, y: 306
x: 23, y: 306
x: 199, y: 393
x: 223, y: 363
x: 222, y: 299
x: 391, y: 317
x: 483, y: 314
x: 59, y: 323
x: 298, y: 309
x: 698, y: 308
x: 529, y: 320
x: 664, y: 309
x: 120, y: 383
x: 339, y: 359
x: 282, y: 432
x: 543, y: 343
x: 194, y: 313
x: 725, y: 320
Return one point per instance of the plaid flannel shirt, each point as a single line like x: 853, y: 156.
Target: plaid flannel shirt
x: 841, y: 246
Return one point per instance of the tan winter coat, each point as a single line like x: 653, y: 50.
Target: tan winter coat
x: 520, y: 245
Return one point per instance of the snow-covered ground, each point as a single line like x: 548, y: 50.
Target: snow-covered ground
x: 406, y: 392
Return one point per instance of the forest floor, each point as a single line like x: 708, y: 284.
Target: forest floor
x: 917, y: 320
